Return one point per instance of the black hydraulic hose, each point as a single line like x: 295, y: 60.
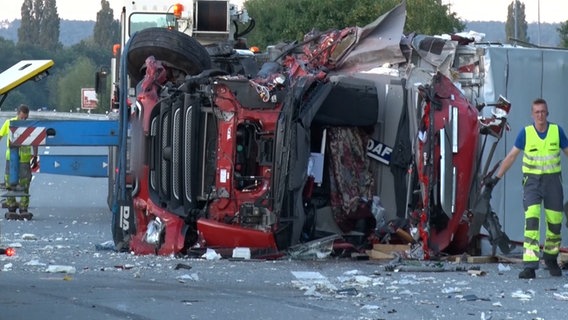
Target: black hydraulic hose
x: 123, y: 123
x: 249, y: 28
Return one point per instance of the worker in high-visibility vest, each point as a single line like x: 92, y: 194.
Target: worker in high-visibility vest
x: 25, y: 174
x: 541, y: 144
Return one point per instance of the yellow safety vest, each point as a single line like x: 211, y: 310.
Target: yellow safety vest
x: 25, y: 151
x: 542, y: 156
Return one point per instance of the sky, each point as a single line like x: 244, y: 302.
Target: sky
x: 551, y: 11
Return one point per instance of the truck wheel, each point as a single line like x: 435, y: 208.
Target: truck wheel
x: 178, y: 49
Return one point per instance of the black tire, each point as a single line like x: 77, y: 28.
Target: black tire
x: 176, y: 48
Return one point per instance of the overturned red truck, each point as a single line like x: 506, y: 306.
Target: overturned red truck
x: 360, y: 132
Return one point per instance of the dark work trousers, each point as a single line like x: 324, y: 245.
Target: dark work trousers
x: 545, y: 189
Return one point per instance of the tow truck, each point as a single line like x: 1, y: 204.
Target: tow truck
x: 214, y: 149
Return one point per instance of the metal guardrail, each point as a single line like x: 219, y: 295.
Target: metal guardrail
x: 58, y: 115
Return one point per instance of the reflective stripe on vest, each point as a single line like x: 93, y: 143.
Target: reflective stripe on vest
x: 542, y: 156
x: 25, y: 152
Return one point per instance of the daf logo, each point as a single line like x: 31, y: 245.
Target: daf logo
x: 379, y: 151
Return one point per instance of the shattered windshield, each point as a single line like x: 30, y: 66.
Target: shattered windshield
x: 139, y: 21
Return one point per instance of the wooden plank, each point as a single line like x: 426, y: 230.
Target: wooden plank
x: 509, y: 259
x: 458, y: 258
x: 482, y: 259
x: 389, y: 248
x: 378, y: 255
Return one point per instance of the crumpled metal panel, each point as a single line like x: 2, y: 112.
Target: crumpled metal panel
x: 437, y: 52
x: 378, y: 43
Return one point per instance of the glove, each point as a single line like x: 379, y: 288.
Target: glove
x: 491, y: 182
x: 33, y: 162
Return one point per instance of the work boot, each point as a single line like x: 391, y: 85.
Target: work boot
x: 25, y: 214
x: 527, y: 273
x: 553, y: 267
x: 17, y: 188
x: 11, y: 215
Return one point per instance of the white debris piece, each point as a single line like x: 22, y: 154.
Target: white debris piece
x: 7, y: 267
x: 308, y: 275
x: 351, y: 272
x: 408, y: 281
x: 211, y: 254
x: 362, y: 280
x: 15, y: 245
x: 310, y: 282
x: 241, y: 253
x: 312, y: 292
x: 370, y: 307
x: 522, y: 295
x: 476, y: 36
x: 188, y: 277
x: 562, y: 296
x: 29, y: 236
x: 503, y: 268
x: 34, y: 263
x: 451, y: 290
x: 60, y: 269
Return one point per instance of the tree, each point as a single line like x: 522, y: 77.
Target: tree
x: 292, y: 19
x: 431, y: 17
x: 516, y: 25
x: 40, y: 24
x: 107, y: 29
x: 77, y: 75
x: 563, y: 31
x: 49, y: 26
x: 29, y: 29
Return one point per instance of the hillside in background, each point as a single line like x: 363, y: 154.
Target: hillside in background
x: 70, y: 31
x: 495, y: 32
x: 73, y: 31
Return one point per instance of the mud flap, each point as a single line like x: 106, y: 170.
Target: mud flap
x: 484, y: 216
x: 497, y: 237
x: 123, y: 224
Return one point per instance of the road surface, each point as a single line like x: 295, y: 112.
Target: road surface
x: 59, y: 272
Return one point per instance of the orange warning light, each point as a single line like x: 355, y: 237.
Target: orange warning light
x: 178, y: 9
x: 8, y: 251
x: 115, y: 49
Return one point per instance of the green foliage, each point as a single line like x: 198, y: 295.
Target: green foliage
x: 516, y: 30
x: 431, y: 17
x: 40, y: 24
x: 49, y: 27
x: 290, y: 20
x: 563, y: 32
x: 107, y: 30
x: 29, y: 29
x: 76, y: 75
x: 62, y: 89
x: 31, y: 93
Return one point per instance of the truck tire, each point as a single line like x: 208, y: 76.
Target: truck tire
x: 178, y: 49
